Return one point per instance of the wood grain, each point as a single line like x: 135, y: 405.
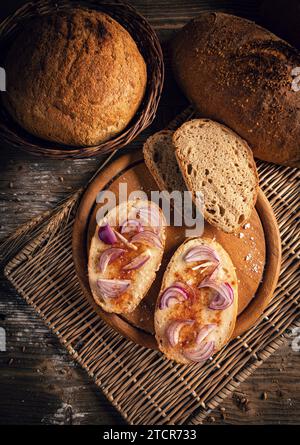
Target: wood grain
x: 40, y: 384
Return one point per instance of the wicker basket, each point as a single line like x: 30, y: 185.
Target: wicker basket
x: 148, y: 45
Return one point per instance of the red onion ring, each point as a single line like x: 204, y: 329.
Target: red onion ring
x: 107, y: 235
x: 204, y: 332
x: 149, y: 238
x: 173, y: 295
x: 108, y: 256
x: 201, y: 253
x: 224, y: 297
x: 202, y: 350
x: 112, y: 288
x: 188, y: 289
x: 201, y: 354
x: 137, y: 262
x: 174, y: 328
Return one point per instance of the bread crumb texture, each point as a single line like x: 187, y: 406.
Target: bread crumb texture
x: 75, y: 78
x: 218, y: 163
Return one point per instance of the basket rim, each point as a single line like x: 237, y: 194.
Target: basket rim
x: 149, y: 46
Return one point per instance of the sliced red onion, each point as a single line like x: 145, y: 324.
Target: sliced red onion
x: 131, y: 225
x: 137, y: 262
x: 172, y: 295
x: 149, y: 238
x: 188, y: 289
x: 201, y: 253
x: 108, y: 256
x: 202, y: 353
x: 174, y: 328
x: 224, y: 297
x: 107, y: 235
x: 202, y: 350
x: 112, y: 288
x: 204, y: 332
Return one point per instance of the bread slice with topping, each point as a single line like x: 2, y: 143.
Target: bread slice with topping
x: 196, y: 310
x: 125, y: 254
x: 217, y: 162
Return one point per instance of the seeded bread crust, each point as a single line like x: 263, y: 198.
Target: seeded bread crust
x: 75, y: 78
x: 215, y: 161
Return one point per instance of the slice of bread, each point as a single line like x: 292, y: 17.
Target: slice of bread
x: 140, y: 279
x: 217, y: 162
x: 159, y: 155
x: 196, y: 307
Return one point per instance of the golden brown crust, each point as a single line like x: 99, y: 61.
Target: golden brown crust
x: 239, y: 74
x: 77, y: 78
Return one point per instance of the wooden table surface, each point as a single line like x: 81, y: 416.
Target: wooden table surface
x: 39, y: 382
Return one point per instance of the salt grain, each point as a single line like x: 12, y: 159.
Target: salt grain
x: 247, y: 226
x: 248, y: 257
x: 241, y: 235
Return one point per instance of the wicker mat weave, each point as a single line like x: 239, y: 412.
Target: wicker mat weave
x: 145, y: 387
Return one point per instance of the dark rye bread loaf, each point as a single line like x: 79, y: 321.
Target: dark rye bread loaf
x: 239, y: 74
x: 75, y: 78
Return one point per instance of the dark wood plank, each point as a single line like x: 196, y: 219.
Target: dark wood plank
x: 39, y: 383
x: 272, y: 394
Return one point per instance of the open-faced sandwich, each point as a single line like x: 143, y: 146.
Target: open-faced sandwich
x: 125, y: 253
x: 197, y: 307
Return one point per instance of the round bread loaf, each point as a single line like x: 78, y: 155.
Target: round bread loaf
x: 77, y: 79
x: 240, y: 75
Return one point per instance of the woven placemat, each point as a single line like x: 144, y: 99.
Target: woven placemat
x: 143, y: 386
